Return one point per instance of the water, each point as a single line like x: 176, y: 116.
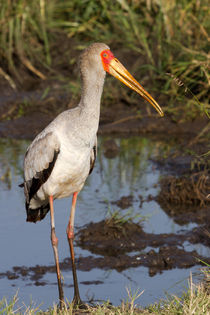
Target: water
x: 131, y: 172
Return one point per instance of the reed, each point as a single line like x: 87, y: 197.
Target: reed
x: 166, y: 37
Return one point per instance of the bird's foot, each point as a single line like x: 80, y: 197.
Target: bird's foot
x: 78, y: 303
x: 58, y: 307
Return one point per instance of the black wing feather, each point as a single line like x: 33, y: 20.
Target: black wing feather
x: 92, y: 159
x: 32, y: 186
x: 34, y: 215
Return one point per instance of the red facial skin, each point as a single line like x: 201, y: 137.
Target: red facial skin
x: 106, y: 57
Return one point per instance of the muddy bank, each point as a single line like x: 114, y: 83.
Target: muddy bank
x: 166, y: 258
x: 121, y: 248
x: 29, y: 125
x: 25, y: 112
x: 110, y: 239
x: 186, y: 198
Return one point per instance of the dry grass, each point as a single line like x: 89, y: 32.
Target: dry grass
x: 191, y: 190
x: 169, y: 39
x: 195, y: 301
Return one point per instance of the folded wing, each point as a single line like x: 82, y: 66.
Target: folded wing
x: 39, y: 161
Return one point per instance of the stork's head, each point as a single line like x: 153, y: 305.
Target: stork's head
x: 98, y: 59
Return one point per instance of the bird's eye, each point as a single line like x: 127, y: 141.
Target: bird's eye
x: 105, y: 55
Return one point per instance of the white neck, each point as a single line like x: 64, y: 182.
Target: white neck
x: 92, y: 88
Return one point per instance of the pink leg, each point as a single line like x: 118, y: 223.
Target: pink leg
x: 70, y: 237
x: 54, y: 242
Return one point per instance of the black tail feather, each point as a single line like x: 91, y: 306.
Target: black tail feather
x: 34, y: 215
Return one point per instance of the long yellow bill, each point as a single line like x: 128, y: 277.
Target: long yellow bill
x: 121, y: 73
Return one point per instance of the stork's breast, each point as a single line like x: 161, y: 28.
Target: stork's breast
x: 69, y: 174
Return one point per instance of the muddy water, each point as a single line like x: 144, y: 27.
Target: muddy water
x: 26, y: 253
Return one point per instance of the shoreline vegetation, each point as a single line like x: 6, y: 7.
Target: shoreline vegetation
x: 166, y: 44
x: 194, y: 300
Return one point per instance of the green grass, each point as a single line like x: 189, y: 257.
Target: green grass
x: 169, y: 39
x: 116, y: 219
x: 194, y: 301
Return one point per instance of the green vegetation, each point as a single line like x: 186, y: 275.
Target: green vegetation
x: 167, y: 42
x: 195, y: 300
x: 117, y: 220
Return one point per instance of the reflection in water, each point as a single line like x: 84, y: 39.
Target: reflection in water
x: 11, y: 160
x: 129, y: 166
x: 131, y: 172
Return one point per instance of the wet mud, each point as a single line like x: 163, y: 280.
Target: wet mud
x: 120, y: 248
x: 109, y: 239
x: 24, y: 112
